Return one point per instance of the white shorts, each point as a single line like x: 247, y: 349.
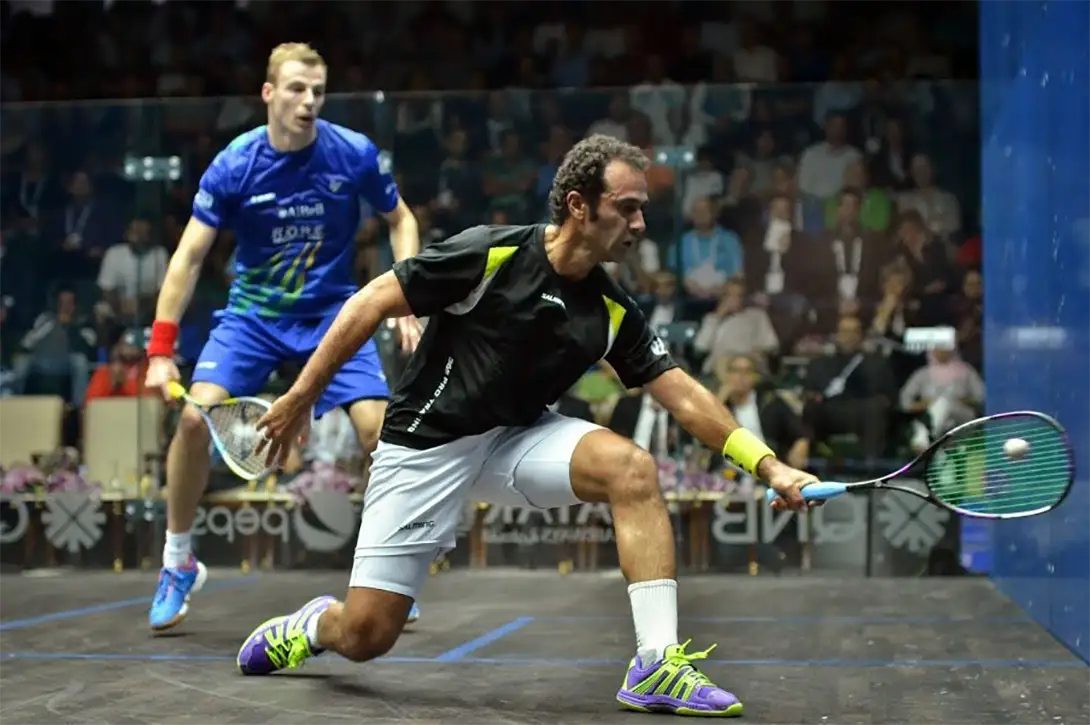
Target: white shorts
x: 415, y: 498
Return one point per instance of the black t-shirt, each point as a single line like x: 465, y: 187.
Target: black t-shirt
x: 507, y: 336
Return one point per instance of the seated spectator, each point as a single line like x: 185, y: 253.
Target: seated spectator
x: 132, y: 272
x: 767, y: 413
x: 706, y: 257
x: 734, y: 329
x: 938, y: 208
x: 458, y: 192
x: 762, y: 163
x: 876, y: 208
x: 740, y: 210
x: 932, y: 270
x: 944, y: 393
x: 34, y: 188
x: 897, y: 311
x: 969, y: 319
x: 55, y: 353
x: 616, y: 123
x: 661, y: 100
x: 123, y: 375
x: 704, y: 182
x: 777, y: 271
x: 849, y: 391
x: 822, y: 166
x: 845, y: 263
x: 509, y: 179
x: 663, y: 307
x: 81, y: 230
x: 891, y: 157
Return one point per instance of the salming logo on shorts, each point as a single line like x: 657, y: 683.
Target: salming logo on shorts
x: 417, y: 525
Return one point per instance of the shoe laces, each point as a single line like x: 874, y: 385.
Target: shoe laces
x: 166, y: 585
x: 678, y: 657
x: 287, y: 652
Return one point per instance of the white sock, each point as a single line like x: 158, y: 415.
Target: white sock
x: 176, y: 551
x: 654, y: 613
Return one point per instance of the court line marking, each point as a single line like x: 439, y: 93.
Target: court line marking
x: 812, y: 620
x: 460, y: 652
x: 559, y: 662
x: 14, y: 624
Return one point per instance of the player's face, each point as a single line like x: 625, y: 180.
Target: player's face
x: 618, y: 225
x: 296, y: 98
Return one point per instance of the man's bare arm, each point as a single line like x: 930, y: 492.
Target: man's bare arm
x: 184, y: 270
x: 700, y: 412
x: 404, y: 231
x: 356, y: 323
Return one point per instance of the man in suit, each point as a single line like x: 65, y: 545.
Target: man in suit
x: 845, y: 263
x: 850, y: 391
x: 766, y: 411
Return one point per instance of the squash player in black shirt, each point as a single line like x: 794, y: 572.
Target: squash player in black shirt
x: 515, y: 315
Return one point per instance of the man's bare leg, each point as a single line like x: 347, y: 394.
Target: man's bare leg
x: 608, y: 468
x: 187, y: 478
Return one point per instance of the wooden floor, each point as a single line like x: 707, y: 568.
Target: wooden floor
x: 526, y: 647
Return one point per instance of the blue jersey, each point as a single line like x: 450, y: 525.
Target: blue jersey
x: 295, y: 216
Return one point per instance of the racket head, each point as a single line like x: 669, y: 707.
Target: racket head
x: 233, y: 426
x: 973, y: 471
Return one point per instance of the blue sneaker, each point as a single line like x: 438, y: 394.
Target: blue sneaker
x: 176, y: 585
x: 414, y: 614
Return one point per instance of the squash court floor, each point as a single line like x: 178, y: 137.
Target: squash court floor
x: 534, y: 647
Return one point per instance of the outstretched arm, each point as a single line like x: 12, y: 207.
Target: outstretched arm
x: 422, y: 285
x: 642, y: 359
x: 701, y: 413
x: 354, y: 325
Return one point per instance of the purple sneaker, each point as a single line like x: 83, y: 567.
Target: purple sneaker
x: 673, y: 685
x: 282, y: 641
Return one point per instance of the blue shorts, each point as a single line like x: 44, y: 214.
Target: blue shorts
x: 243, y: 351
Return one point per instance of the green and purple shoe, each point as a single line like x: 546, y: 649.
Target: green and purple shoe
x: 673, y: 685
x: 282, y: 642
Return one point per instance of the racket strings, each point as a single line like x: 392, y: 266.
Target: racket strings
x: 975, y: 473
x: 235, y: 425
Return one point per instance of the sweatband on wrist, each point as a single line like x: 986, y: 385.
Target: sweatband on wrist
x: 745, y: 450
x: 163, y: 335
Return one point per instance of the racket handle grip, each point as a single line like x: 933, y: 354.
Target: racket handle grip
x: 814, y: 491
x: 176, y: 389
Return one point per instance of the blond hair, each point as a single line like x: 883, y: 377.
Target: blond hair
x: 285, y: 52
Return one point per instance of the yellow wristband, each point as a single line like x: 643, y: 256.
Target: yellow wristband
x: 746, y: 450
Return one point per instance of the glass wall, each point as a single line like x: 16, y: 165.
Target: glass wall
x: 752, y: 192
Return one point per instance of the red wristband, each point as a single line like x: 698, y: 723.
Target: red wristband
x: 163, y: 335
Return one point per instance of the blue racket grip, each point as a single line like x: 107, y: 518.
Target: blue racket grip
x: 814, y: 491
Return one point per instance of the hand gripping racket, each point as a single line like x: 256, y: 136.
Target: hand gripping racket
x: 233, y: 425
x: 1002, y: 466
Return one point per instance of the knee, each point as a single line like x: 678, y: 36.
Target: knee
x: 632, y: 474
x: 191, y: 426
x: 368, y: 438
x: 369, y: 635
x: 367, y: 416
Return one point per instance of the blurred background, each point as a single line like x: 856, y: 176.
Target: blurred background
x: 814, y: 248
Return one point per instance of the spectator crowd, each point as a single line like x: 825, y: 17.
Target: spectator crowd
x: 813, y: 184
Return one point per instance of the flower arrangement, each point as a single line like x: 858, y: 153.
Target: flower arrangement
x: 322, y: 476
x: 59, y: 472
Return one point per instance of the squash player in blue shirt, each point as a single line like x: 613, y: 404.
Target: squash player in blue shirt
x: 291, y: 190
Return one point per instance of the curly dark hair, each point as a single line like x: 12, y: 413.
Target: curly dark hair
x: 583, y: 169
